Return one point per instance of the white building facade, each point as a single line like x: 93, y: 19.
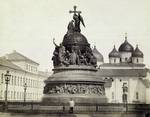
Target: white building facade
x: 23, y: 71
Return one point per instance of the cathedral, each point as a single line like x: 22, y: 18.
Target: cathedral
x: 126, y: 77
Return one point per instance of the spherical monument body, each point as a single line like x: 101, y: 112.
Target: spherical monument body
x: 74, y: 74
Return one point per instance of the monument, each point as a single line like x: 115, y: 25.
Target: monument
x: 74, y: 74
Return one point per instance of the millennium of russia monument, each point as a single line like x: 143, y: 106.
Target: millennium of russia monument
x: 74, y: 74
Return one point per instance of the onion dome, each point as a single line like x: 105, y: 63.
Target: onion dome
x: 114, y: 53
x: 137, y: 52
x: 98, y: 55
x: 75, y: 39
x: 126, y: 46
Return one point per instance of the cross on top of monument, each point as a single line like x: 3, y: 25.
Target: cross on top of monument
x: 75, y: 10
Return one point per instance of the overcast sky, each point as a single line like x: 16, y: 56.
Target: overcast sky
x: 28, y: 26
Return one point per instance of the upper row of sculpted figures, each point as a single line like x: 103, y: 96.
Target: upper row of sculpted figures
x: 63, y: 57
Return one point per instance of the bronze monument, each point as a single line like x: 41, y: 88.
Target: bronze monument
x: 75, y: 74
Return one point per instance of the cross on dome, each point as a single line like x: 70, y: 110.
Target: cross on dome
x: 75, y: 10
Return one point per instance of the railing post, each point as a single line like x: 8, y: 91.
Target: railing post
x: 96, y: 108
x: 63, y: 108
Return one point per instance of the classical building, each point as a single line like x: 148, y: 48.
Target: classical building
x: 127, y: 79
x: 23, y: 71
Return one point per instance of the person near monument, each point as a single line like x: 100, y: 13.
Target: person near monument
x: 71, y: 105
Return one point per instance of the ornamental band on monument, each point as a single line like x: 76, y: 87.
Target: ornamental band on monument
x: 76, y: 89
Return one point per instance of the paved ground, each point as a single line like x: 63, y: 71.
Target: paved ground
x: 67, y: 115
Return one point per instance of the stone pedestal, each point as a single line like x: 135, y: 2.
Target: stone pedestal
x: 78, y: 82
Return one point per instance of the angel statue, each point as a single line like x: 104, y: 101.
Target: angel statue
x: 77, y: 19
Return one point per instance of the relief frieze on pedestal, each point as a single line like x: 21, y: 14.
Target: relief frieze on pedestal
x: 75, y: 89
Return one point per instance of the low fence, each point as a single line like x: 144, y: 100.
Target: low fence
x: 106, y: 107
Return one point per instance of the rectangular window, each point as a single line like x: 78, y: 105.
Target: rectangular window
x: 11, y: 94
x: 17, y: 95
x: 36, y: 69
x: 12, y: 80
x: 31, y: 83
x: 2, y: 78
x: 112, y: 95
x: 31, y: 68
x: 18, y: 81
x: 1, y: 94
x: 15, y: 81
x: 27, y: 67
x: 21, y: 81
x: 14, y: 95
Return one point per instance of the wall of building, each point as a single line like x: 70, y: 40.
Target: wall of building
x: 135, y: 87
x: 148, y: 89
x: 114, y: 93
x: 114, y: 60
x: 18, y: 78
x: 137, y: 60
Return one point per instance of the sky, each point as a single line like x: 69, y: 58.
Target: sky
x: 29, y: 26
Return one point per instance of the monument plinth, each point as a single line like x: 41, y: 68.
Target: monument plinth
x: 74, y: 74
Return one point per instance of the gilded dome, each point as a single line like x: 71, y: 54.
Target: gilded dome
x: 75, y: 39
x: 126, y: 47
x: 137, y: 52
x: 98, y: 55
x: 114, y: 53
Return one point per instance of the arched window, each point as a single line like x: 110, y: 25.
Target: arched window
x: 120, y: 60
x: 137, y: 60
x: 114, y: 60
x: 137, y: 95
